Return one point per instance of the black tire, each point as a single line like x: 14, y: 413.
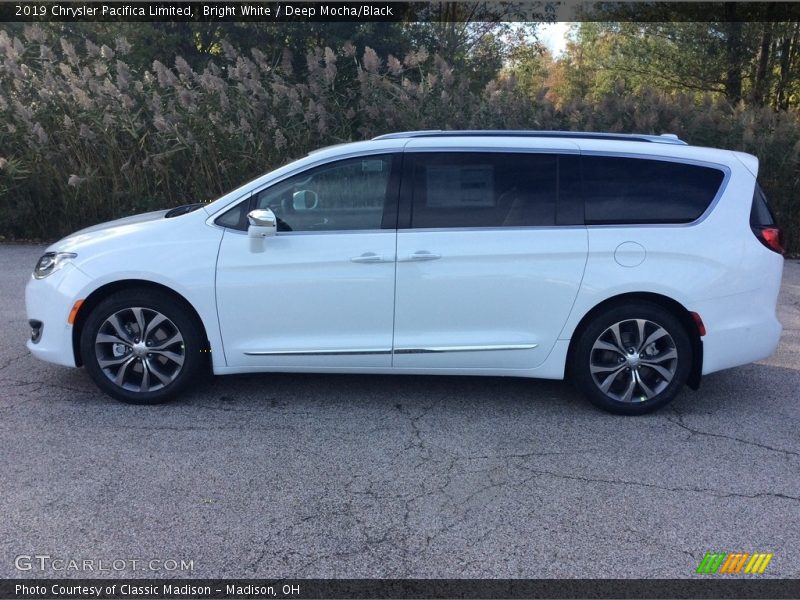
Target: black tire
x: 175, y: 356
x: 635, y: 382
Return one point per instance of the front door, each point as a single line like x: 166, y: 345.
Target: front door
x: 320, y: 293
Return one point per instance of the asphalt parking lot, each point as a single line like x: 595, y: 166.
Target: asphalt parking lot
x: 318, y: 476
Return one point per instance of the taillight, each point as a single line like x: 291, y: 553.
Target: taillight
x: 771, y: 237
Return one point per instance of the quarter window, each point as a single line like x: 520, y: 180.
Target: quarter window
x: 466, y: 189
x: 345, y: 195
x: 634, y: 190
x: 235, y: 218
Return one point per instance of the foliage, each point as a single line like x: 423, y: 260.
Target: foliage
x: 87, y: 135
x: 758, y: 63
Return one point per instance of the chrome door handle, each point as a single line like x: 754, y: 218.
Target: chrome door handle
x: 368, y: 257
x: 423, y: 255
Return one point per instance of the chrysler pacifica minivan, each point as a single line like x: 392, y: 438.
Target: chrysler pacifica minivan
x: 632, y: 264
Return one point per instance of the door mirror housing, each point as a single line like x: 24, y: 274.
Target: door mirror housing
x: 261, y: 223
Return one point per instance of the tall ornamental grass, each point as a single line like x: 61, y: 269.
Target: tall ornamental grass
x: 84, y: 137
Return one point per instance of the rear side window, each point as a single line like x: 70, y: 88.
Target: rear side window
x: 634, y: 190
x: 471, y: 189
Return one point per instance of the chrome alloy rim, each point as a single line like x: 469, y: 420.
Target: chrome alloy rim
x: 633, y: 361
x: 139, y: 349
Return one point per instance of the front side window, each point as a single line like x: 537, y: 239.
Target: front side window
x: 635, y: 190
x: 346, y: 195
x: 491, y: 189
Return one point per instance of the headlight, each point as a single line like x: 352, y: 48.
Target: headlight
x: 51, y: 262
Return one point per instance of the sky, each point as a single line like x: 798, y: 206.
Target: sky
x: 553, y: 35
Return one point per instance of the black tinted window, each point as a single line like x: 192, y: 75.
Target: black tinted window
x: 634, y: 190
x: 760, y: 213
x: 235, y: 218
x: 466, y: 189
x: 345, y: 195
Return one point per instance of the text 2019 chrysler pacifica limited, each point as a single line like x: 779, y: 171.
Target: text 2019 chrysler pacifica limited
x: 633, y: 264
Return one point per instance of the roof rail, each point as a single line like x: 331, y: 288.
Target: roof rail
x: 666, y: 138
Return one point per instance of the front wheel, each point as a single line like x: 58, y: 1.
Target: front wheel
x: 141, y: 347
x: 632, y: 359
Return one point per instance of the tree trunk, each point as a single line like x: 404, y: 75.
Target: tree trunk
x: 761, y: 79
x: 733, y: 55
x: 788, y: 49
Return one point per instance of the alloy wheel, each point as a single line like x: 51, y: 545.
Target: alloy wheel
x: 139, y: 349
x: 633, y: 360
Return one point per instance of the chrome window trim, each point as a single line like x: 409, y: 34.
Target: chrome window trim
x: 334, y: 232
x: 324, y: 232
x: 420, y: 230
x: 492, y: 228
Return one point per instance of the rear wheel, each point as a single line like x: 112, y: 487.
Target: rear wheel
x: 141, y: 346
x: 632, y: 359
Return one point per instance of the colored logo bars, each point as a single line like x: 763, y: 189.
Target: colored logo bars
x: 734, y: 562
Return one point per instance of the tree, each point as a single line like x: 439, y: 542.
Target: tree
x: 754, y: 62
x: 475, y: 37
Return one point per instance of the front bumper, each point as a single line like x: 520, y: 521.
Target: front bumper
x: 49, y: 301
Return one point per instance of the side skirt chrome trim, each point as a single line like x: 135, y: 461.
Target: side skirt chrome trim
x: 317, y: 352
x: 425, y: 350
x: 430, y: 349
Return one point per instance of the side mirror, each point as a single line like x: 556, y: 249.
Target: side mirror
x: 262, y: 223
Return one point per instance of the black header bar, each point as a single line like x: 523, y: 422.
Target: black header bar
x: 371, y: 11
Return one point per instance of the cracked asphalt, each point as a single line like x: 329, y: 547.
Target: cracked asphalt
x: 317, y: 476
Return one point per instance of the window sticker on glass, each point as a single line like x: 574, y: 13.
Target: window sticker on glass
x: 372, y: 166
x: 453, y: 186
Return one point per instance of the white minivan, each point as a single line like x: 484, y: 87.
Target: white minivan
x: 633, y: 264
